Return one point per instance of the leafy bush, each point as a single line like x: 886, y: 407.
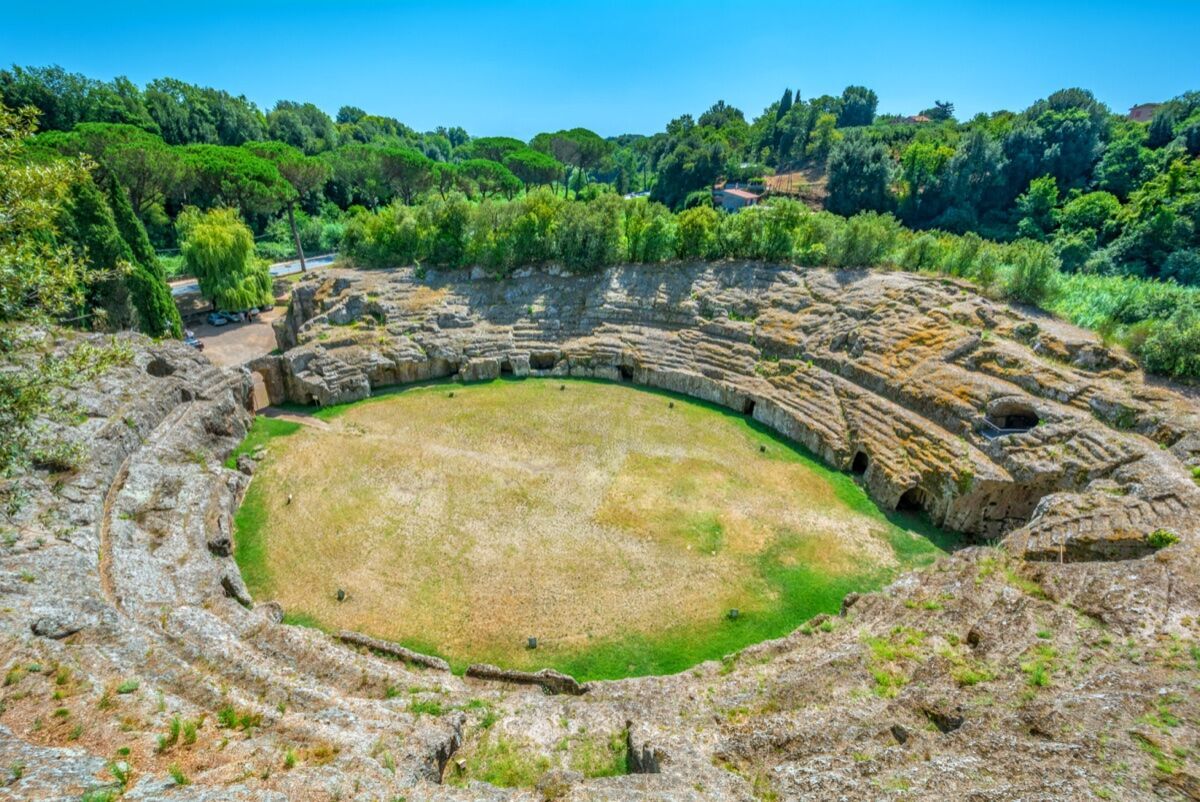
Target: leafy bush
x: 1161, y: 538
x: 866, y: 240
x: 650, y: 231
x: 1173, y: 346
x: 1033, y: 271
x: 589, y: 234
x: 697, y: 232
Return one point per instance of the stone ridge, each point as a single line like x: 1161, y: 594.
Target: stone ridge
x: 1060, y: 667
x: 902, y: 372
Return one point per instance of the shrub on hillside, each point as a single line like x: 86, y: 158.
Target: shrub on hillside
x: 866, y: 240
x: 1173, y: 346
x: 697, y: 233
x: 650, y: 232
x: 1033, y: 269
x: 1154, y: 319
x: 589, y: 234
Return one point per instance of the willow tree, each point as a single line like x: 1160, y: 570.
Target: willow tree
x: 303, y: 173
x: 218, y: 249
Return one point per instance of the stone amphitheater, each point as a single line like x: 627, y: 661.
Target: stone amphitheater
x: 1056, y: 658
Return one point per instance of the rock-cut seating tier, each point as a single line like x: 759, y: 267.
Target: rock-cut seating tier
x: 136, y: 664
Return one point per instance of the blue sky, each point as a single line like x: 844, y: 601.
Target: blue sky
x: 619, y: 66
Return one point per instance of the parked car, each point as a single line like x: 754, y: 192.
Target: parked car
x: 251, y: 313
x: 193, y: 341
x: 217, y: 319
x: 266, y: 307
x: 233, y: 317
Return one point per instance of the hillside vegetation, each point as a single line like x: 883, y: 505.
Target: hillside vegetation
x: 1064, y: 204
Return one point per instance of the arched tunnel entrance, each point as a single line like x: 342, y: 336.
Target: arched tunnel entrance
x: 915, y: 499
x: 860, y: 464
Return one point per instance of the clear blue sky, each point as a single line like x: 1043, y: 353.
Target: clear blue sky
x: 619, y: 66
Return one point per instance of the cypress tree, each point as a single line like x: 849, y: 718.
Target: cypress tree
x: 147, y: 283
x: 130, y: 228
x: 1162, y: 130
x: 89, y: 225
x: 785, y: 105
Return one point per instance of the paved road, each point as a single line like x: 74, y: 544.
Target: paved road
x: 187, y: 285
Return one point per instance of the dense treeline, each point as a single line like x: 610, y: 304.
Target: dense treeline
x: 1064, y: 204
x: 1110, y: 195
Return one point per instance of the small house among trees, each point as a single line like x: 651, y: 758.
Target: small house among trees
x: 1143, y: 112
x: 733, y: 199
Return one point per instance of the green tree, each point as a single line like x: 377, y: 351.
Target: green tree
x: 356, y: 176
x: 407, y: 171
x: 858, y: 176
x: 1125, y: 161
x: 221, y: 176
x: 975, y: 176
x: 303, y: 126
x: 188, y: 114
x: 149, y: 292
x: 858, y: 107
x: 218, y: 250
x: 922, y: 176
x: 1098, y: 212
x: 304, y: 174
x: 940, y: 111
x: 149, y: 170
x: 1162, y: 129
x: 41, y: 276
x: 89, y: 225
x: 493, y: 148
x: 1038, y: 208
x: 489, y: 177
x: 445, y: 177
x: 66, y: 99
x: 650, y: 231
x: 577, y: 148
x: 693, y: 158
x: 697, y: 232
x: 823, y: 137
x: 589, y: 234
x: 533, y: 167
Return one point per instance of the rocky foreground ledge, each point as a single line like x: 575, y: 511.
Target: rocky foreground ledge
x: 1061, y: 664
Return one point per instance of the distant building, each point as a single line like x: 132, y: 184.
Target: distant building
x: 733, y: 199
x: 919, y: 118
x: 1143, y: 112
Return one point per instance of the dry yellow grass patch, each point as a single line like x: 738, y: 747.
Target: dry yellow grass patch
x: 586, y: 516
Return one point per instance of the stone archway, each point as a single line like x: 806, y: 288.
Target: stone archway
x: 915, y: 499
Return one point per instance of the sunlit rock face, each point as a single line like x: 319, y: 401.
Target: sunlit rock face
x: 942, y: 399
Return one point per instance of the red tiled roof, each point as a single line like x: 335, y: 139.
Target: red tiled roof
x: 741, y: 193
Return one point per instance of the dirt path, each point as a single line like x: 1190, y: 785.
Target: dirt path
x: 235, y: 343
